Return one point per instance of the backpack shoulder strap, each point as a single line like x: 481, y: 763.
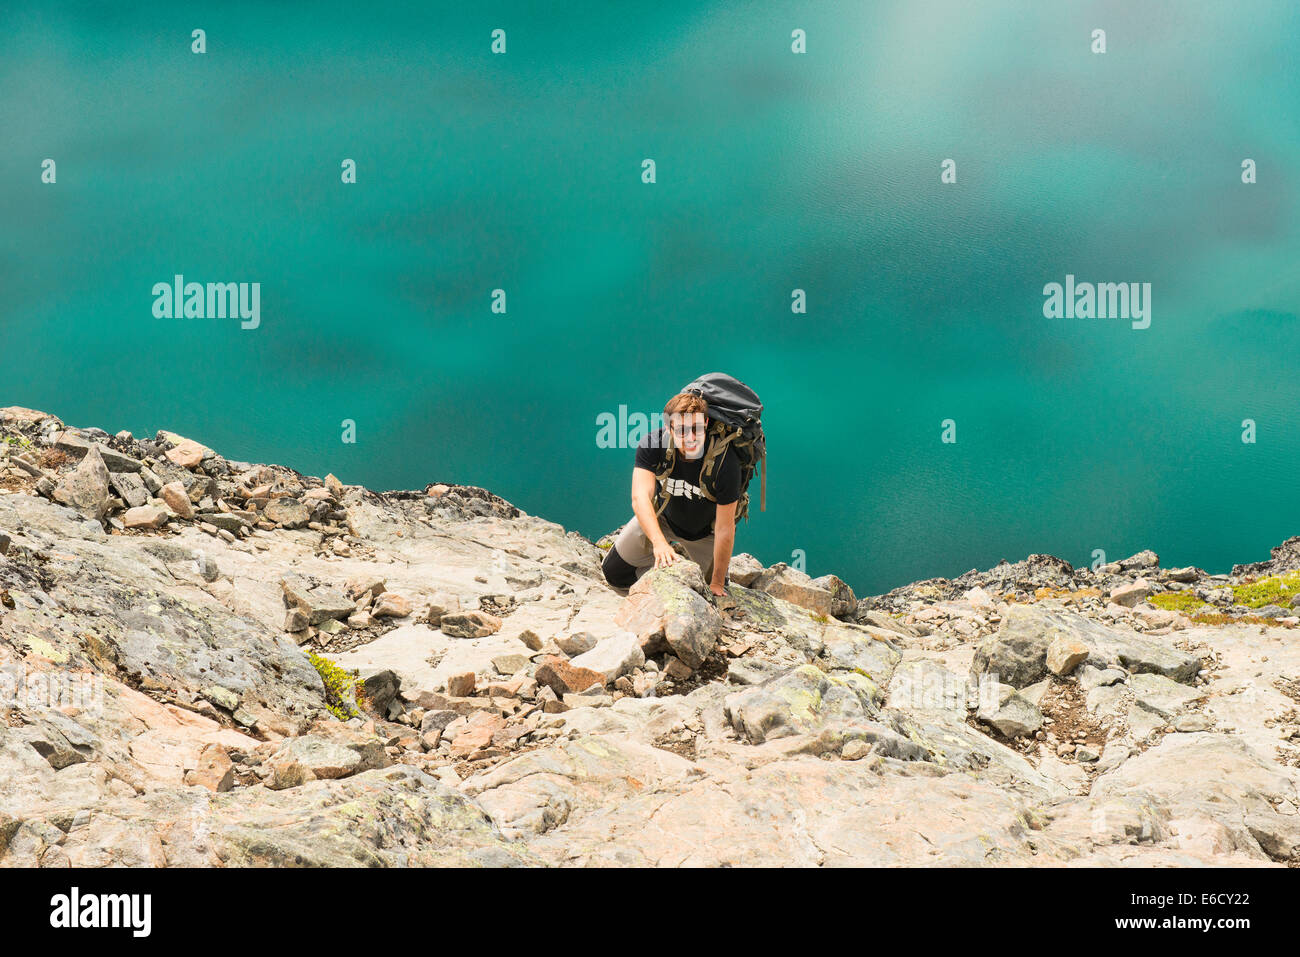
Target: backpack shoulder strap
x: 665, y: 470
x: 713, y: 459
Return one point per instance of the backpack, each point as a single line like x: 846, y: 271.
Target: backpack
x: 735, y: 429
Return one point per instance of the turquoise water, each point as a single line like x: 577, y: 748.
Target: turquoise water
x: 775, y: 171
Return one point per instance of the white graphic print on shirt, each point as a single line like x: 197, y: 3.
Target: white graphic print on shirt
x: 683, y: 488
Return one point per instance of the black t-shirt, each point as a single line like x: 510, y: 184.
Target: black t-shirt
x: 689, y: 514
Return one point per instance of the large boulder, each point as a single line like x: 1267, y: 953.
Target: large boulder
x: 85, y: 488
x: 794, y: 586
x: 666, y: 609
x: 844, y: 604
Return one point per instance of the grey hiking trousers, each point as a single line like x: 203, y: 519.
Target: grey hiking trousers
x: 633, y: 554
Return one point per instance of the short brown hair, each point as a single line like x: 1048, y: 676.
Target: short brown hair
x: 687, y: 403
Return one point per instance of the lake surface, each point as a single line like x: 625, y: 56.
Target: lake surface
x: 774, y: 172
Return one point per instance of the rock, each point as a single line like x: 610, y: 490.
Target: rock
x: 531, y: 640
x: 563, y: 678
x: 391, y: 605
x: 676, y: 669
x: 744, y: 569
x: 1009, y: 712
x: 215, y: 770
x: 613, y: 657
x: 287, y: 513
x: 1188, y: 574
x: 879, y: 619
x: 435, y: 610
x: 684, y: 574
x: 1129, y: 595
x: 1065, y: 653
x: 52, y: 745
x: 380, y: 689
x: 458, y: 686
x: 751, y: 671
x: 1034, y: 693
x: 510, y: 664
x: 221, y: 697
x: 223, y: 520
x: 85, y: 488
x: 75, y: 446
x: 794, y: 586
x: 666, y: 608
x: 437, y: 721
x: 365, y: 585
x: 806, y: 700
x: 333, y: 753
x: 861, y: 648
x: 187, y: 453
x: 577, y: 644
x: 129, y: 487
x: 151, y: 480
x: 1160, y: 695
x: 1090, y: 677
x: 174, y: 494
x: 1145, y: 559
x: 844, y: 604
x: 144, y: 516
x: 855, y: 750
x: 1017, y: 653
x: 587, y: 701
x: 1285, y: 557
x: 1239, y: 792
x: 319, y: 603
x: 470, y: 624
x: 1191, y: 723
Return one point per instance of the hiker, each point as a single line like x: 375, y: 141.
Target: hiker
x: 690, y: 482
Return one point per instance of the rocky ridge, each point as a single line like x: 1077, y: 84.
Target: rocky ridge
x: 211, y: 662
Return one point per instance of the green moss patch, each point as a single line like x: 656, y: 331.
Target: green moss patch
x: 1276, y: 590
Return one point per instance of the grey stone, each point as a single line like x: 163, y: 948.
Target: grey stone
x: 1009, y: 712
x: 86, y: 487
x: 287, y: 512
x: 577, y: 644
x: 130, y: 487
x: 380, y: 688
x: 844, y: 604
x: 614, y: 657
x: 1162, y: 695
x: 743, y: 569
